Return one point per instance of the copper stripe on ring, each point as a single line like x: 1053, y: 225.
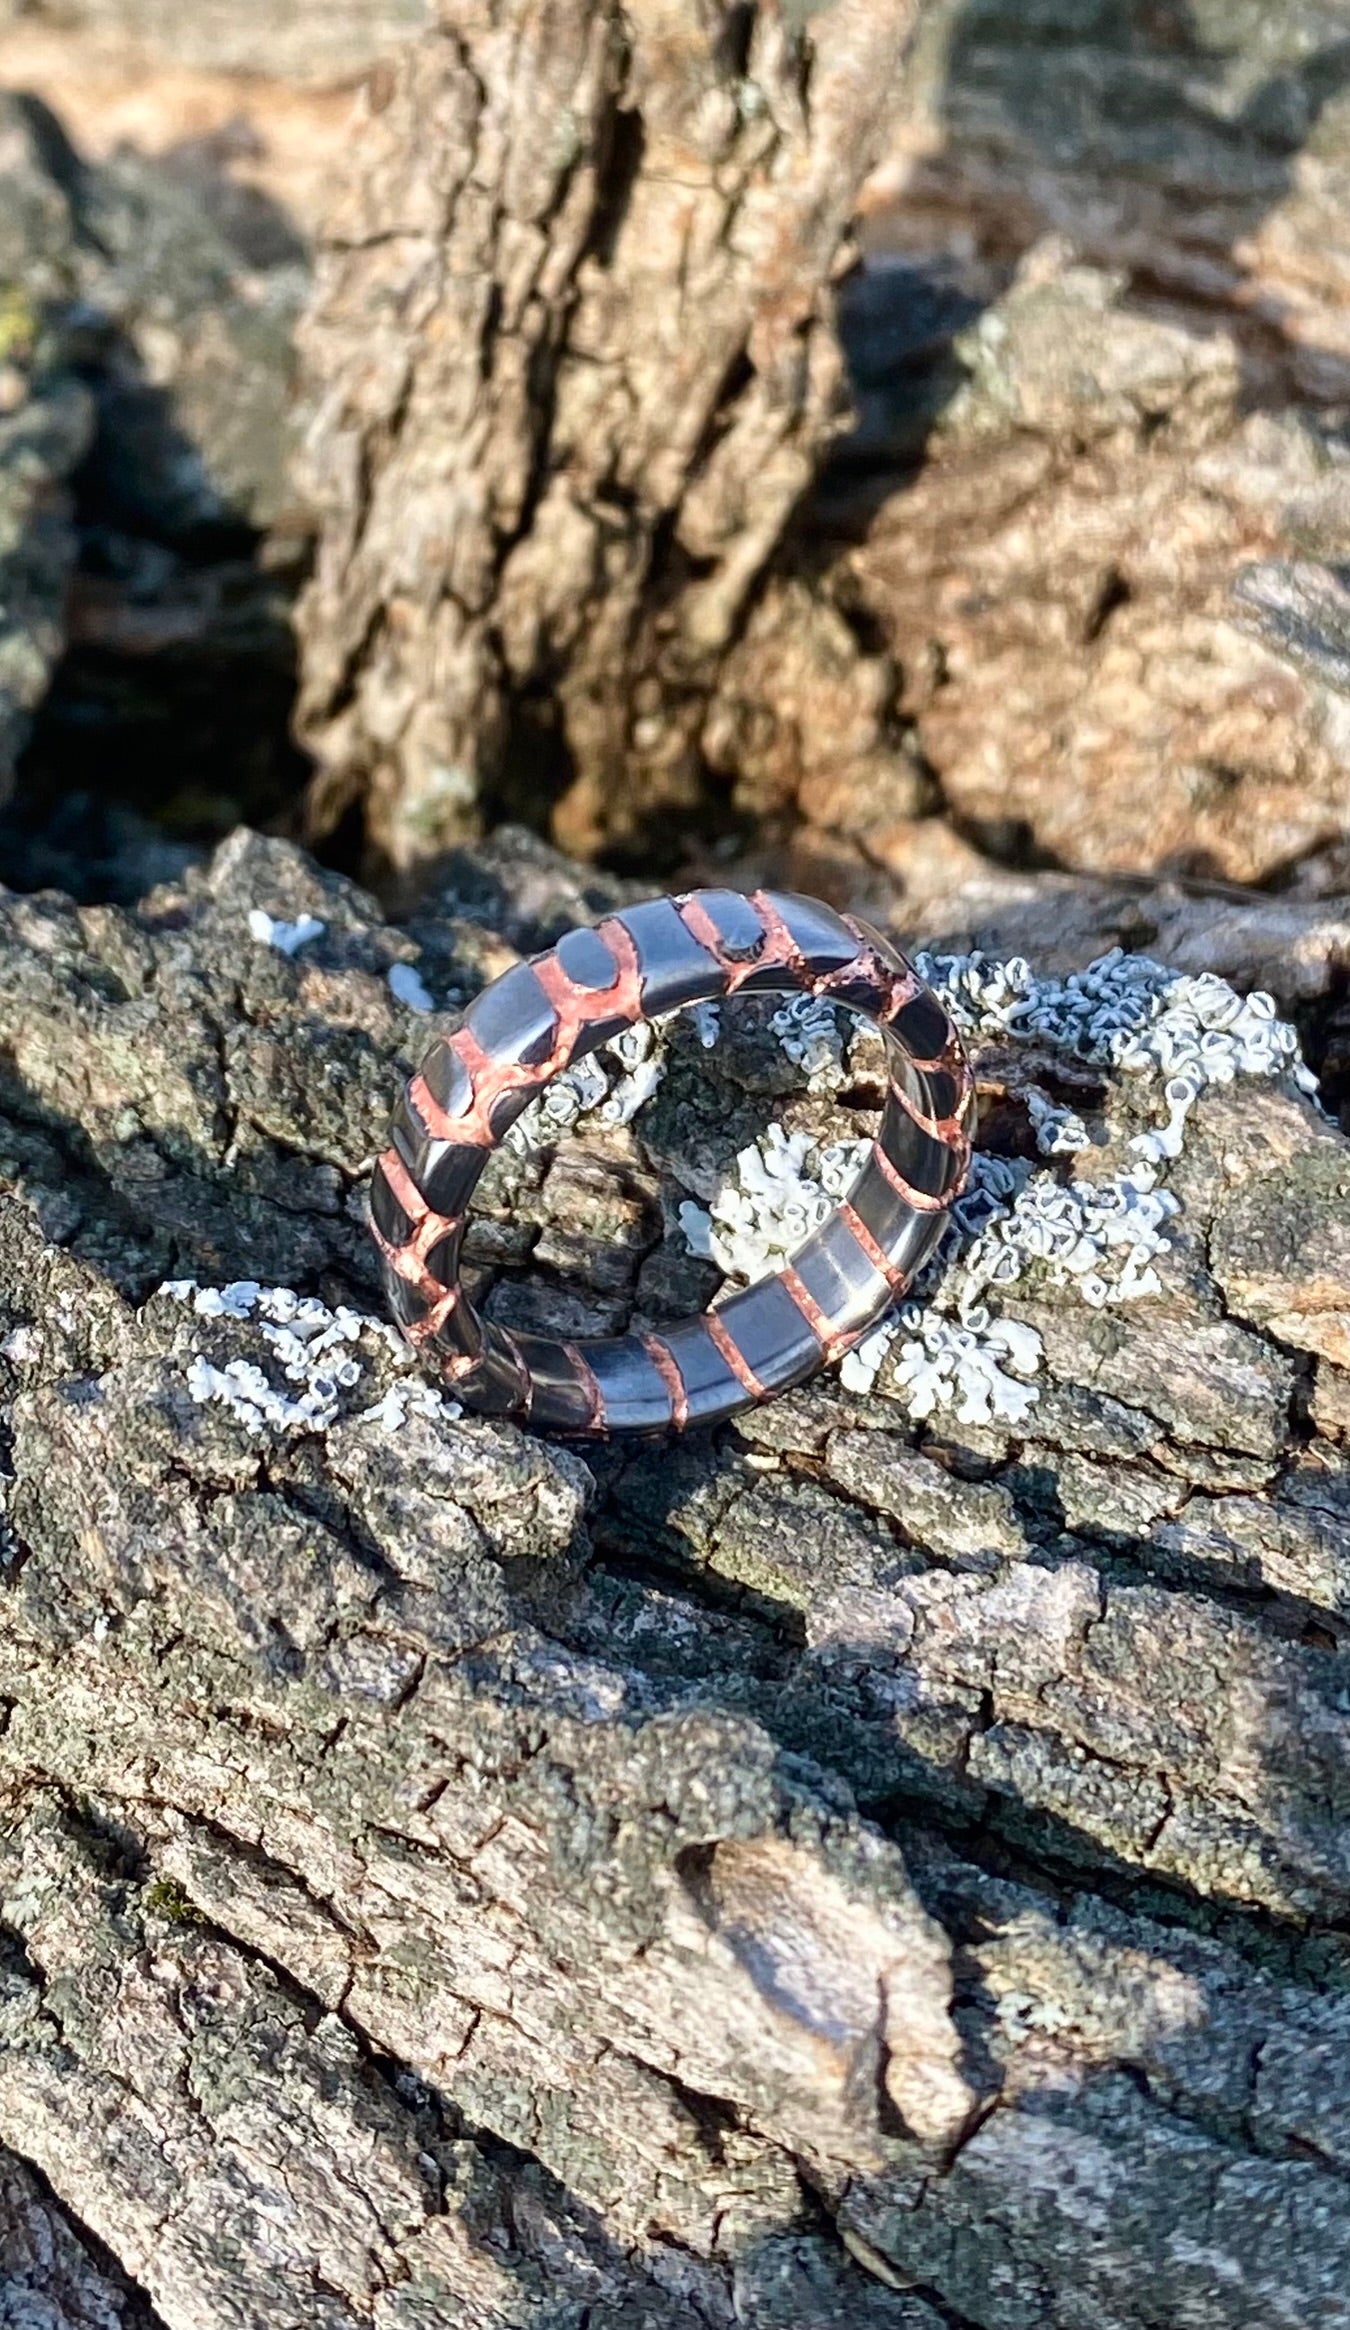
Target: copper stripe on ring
x: 896, y: 1279
x: 816, y: 1319
x: 704, y: 931
x: 404, y: 1263
x: 918, y: 1198
x: 668, y: 1368
x: 506, y: 1340
x: 402, y: 1185
x: 778, y: 953
x: 446, y: 1303
x: 573, y: 1008
x: 781, y: 948
x: 946, y: 1061
x: 942, y: 1128
x: 734, y: 1357
x: 833, y: 1341
x: 585, y: 1373
x: 895, y: 988
x: 409, y: 1260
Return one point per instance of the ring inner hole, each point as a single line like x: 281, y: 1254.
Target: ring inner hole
x: 587, y: 1228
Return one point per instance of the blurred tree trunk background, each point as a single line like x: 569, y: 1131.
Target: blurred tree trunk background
x: 601, y: 528
x: 564, y: 440
x: 573, y: 364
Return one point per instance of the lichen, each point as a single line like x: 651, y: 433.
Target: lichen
x: 1059, y: 1131
x: 311, y: 1346
x: 1098, y: 1237
x: 165, y: 1896
x: 1125, y: 1014
x: 408, y: 987
x: 1131, y: 1015
x: 641, y: 1055
x: 284, y: 938
x: 777, y: 1191
x: 610, y: 1085
x: 705, y: 1020
x: 982, y: 1369
x: 391, y: 1412
x: 807, y: 1027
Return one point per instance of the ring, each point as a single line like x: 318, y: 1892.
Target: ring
x: 536, y: 1019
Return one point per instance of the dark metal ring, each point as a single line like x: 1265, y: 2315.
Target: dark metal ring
x: 540, y: 1016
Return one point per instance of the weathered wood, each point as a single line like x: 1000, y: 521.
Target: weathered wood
x: 1147, y: 205
x: 566, y: 606
x: 46, y: 422
x: 1058, y: 581
x: 315, y: 42
x: 1196, y: 146
x: 49, y: 2278
x: 848, y: 1871
x: 572, y: 363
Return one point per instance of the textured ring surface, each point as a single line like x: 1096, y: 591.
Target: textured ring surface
x: 532, y: 1023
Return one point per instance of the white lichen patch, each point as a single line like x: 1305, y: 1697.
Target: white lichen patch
x: 1098, y: 1237
x: 641, y: 1056
x: 1131, y: 1015
x: 807, y: 1027
x: 706, y: 1022
x: 256, y: 1403
x: 983, y: 1369
x: 1125, y: 1015
x: 402, y: 1400
x: 611, y: 1085
x: 775, y: 1193
x: 608, y: 1086
x: 310, y: 1348
x: 1101, y: 1239
x: 1059, y: 1132
x: 578, y: 1092
x: 783, y: 1186
x: 408, y: 987
x: 284, y: 938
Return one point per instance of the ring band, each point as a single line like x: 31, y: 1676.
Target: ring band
x: 536, y: 1019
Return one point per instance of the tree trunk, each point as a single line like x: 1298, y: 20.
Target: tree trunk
x: 855, y: 1869
x: 572, y: 363
x: 314, y: 42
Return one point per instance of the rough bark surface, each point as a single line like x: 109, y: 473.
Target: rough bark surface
x: 1100, y: 358
x: 46, y: 422
x: 846, y: 1871
x: 1061, y: 574
x: 49, y: 2280
x: 1197, y: 146
x: 572, y: 364
x: 146, y: 315
x: 314, y: 42
x: 1098, y: 355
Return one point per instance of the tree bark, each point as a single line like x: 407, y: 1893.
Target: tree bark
x: 572, y: 363
x: 845, y: 1871
x: 310, y: 42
